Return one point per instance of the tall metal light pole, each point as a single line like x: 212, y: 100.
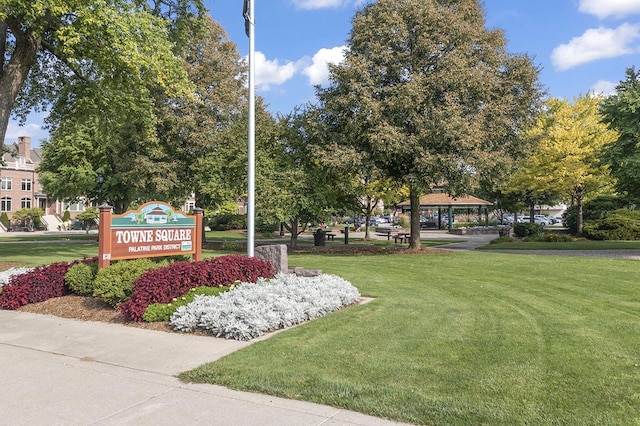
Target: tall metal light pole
x: 249, y: 26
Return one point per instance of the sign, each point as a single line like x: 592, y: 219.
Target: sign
x: 155, y: 229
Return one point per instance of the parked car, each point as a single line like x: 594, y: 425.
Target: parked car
x: 77, y: 225
x: 539, y: 219
x: 542, y: 219
x: 556, y: 219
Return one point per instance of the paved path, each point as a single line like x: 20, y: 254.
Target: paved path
x: 57, y: 371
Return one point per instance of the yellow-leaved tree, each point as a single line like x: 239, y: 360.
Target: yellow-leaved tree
x: 567, y: 157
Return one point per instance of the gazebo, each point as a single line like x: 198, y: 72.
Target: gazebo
x: 440, y: 200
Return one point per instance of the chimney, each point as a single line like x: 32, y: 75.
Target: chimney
x: 24, y: 147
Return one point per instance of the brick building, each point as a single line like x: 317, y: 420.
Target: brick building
x: 20, y: 187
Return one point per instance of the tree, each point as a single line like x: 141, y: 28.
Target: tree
x: 620, y: 112
x: 205, y: 135
x: 294, y: 188
x: 431, y: 96
x: 110, y: 45
x: 188, y: 144
x: 30, y: 216
x: 567, y: 157
x: 89, y: 218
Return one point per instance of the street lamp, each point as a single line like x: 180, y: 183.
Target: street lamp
x: 100, y: 180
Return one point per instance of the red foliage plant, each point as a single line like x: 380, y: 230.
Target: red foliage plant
x: 39, y: 284
x: 163, y: 284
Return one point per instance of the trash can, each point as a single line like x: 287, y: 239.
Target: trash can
x: 319, y: 238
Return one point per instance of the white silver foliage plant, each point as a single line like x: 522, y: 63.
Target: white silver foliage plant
x: 249, y: 310
x: 5, y: 276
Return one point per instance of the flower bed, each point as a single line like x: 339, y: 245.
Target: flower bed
x: 163, y: 284
x: 38, y: 284
x: 250, y: 310
x: 5, y: 276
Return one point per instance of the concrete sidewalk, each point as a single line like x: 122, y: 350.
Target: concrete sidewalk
x: 57, y: 371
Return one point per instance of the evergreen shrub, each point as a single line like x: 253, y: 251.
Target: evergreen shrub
x: 226, y: 222
x: 620, y: 224
x: 80, y: 278
x: 595, y: 209
x: 4, y: 218
x: 114, y: 284
x: 527, y: 229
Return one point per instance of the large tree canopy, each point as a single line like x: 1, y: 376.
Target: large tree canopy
x: 160, y: 147
x: 567, y: 157
x: 621, y: 112
x: 111, y: 45
x: 431, y: 95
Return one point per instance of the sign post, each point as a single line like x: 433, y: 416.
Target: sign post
x: 153, y: 230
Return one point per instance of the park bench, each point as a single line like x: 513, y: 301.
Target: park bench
x: 399, y: 235
x: 384, y: 232
x: 402, y: 236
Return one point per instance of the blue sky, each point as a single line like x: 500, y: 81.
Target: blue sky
x: 580, y: 45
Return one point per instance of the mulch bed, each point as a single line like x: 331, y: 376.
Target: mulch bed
x: 88, y: 309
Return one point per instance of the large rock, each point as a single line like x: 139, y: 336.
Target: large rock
x: 274, y: 254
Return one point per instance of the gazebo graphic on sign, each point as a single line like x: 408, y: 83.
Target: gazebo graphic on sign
x: 157, y: 215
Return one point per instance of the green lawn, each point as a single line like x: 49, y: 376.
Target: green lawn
x: 42, y: 253
x: 462, y: 338
x: 457, y: 338
x: 572, y: 245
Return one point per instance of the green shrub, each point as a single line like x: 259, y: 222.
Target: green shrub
x: 503, y: 240
x: 114, y: 284
x: 163, y: 311
x: 620, y: 224
x: 265, y: 226
x: 226, y: 222
x: 595, y: 209
x: 554, y: 237
x: 80, y: 278
x: 5, y: 219
x: 527, y: 229
x: 66, y: 216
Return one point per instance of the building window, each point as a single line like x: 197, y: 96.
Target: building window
x: 26, y: 184
x: 73, y: 207
x: 5, y: 204
x: 6, y: 184
x: 25, y: 203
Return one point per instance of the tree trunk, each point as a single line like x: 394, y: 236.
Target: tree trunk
x: 414, y: 198
x: 579, y: 218
x: 13, y: 76
x: 532, y: 212
x: 369, y: 211
x: 292, y: 227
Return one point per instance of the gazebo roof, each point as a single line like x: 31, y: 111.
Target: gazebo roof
x: 440, y: 199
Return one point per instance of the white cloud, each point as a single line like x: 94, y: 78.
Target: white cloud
x: 604, y: 87
x: 605, y: 8
x: 316, y: 4
x: 269, y: 73
x: 325, y: 4
x: 318, y: 71
x: 594, y: 44
x: 33, y: 130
